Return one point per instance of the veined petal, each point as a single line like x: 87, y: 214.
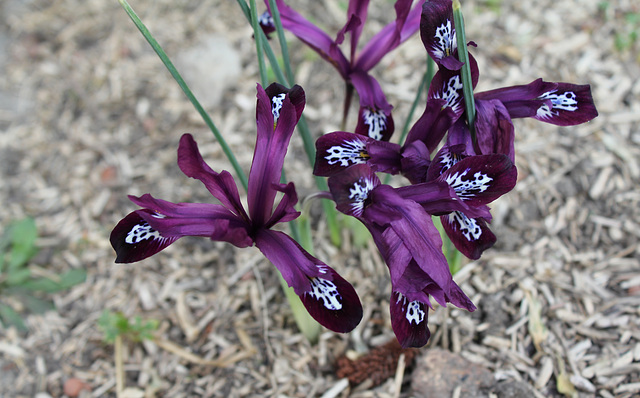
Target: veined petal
x: 221, y: 185
x: 339, y: 150
x: 194, y: 219
x: 571, y: 104
x: 471, y: 236
x: 314, y: 37
x: 133, y: 239
x: 438, y: 33
x: 268, y: 156
x: 409, y: 321
x: 329, y: 298
x: 391, y: 36
x: 352, y: 187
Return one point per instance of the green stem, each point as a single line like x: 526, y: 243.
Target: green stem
x: 284, y: 48
x: 465, y: 71
x: 183, y: 85
x: 259, y: 44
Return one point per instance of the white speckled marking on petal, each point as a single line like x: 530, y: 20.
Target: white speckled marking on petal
x: 451, y: 94
x: 414, y: 313
x: 276, y: 106
x: 359, y: 193
x: 468, y: 227
x: 445, y: 40
x: 468, y: 188
x: 376, y: 121
x: 140, y: 232
x: 567, y: 101
x: 353, y: 152
x: 325, y: 291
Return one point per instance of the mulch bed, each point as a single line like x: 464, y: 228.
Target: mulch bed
x: 88, y: 114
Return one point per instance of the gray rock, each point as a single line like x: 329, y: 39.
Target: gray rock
x: 209, y: 69
x: 438, y: 373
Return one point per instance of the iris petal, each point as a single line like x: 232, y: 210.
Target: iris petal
x: 328, y: 298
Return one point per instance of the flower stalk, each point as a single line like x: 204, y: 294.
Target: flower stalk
x: 187, y: 91
x: 465, y: 71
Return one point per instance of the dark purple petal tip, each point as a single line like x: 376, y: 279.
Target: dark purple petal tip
x: 332, y: 301
x: 133, y: 239
x: 409, y: 321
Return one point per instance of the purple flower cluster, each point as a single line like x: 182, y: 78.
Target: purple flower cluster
x: 455, y: 179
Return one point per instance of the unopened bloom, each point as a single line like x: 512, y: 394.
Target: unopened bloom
x: 330, y: 299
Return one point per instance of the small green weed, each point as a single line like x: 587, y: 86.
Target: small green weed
x: 27, y: 292
x: 115, y: 324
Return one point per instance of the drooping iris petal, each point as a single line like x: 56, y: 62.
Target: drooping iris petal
x: 271, y: 147
x: 478, y: 180
x: 277, y: 93
x: 471, y: 236
x: 328, y: 298
x: 221, y: 185
x: 521, y: 100
x: 438, y: 33
x: 133, y: 239
x: 409, y: 321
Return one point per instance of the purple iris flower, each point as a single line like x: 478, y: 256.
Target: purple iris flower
x: 409, y: 242
x: 562, y: 104
x: 330, y: 299
x: 374, y: 119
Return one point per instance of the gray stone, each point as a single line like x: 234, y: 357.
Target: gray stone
x: 438, y: 373
x: 209, y: 68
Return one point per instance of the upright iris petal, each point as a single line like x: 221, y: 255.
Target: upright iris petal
x: 330, y: 299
